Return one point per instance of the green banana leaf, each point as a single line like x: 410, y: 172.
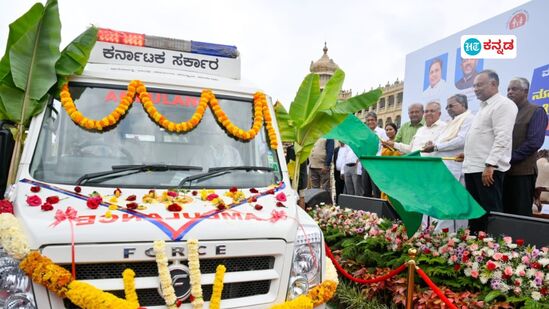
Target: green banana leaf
x: 17, y: 29
x: 75, y: 56
x: 321, y: 124
x: 306, y: 96
x: 356, y: 103
x: 328, y: 96
x: 33, y: 56
x: 285, y: 124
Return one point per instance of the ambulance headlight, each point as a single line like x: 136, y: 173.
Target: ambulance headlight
x: 307, y: 262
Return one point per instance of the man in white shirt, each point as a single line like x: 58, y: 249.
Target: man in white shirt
x: 450, y: 143
x: 437, y: 85
x: 352, y: 171
x: 369, y: 187
x: 428, y: 133
x: 488, y: 146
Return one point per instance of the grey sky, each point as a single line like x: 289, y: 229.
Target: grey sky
x: 278, y: 40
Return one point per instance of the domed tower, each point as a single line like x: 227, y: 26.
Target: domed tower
x: 324, y: 67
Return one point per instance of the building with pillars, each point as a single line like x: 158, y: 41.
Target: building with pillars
x: 389, y: 106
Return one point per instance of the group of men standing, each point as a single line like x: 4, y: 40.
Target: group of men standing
x: 495, y: 149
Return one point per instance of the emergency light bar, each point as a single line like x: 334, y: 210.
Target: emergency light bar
x: 143, y: 40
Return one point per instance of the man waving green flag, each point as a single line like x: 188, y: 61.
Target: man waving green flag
x: 415, y: 185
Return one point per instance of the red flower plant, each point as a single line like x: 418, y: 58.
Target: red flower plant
x: 520, y: 242
x: 93, y: 202
x: 456, y: 267
x: 46, y: 206
x: 132, y: 205
x: 505, y: 258
x: 233, y: 189
x: 281, y: 197
x: 258, y: 207
x: 6, y: 207
x: 54, y: 199
x: 253, y: 190
x: 491, y: 265
x: 445, y: 230
x: 34, y: 200
x: 280, y: 204
x: 131, y: 198
x: 77, y: 189
x: 172, y: 193
x: 35, y: 189
x: 175, y: 207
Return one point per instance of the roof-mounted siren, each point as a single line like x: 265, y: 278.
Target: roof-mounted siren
x: 128, y: 48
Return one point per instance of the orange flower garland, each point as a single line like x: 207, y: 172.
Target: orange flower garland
x: 43, y: 271
x: 207, y: 98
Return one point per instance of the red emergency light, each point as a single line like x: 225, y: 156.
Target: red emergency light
x: 120, y: 37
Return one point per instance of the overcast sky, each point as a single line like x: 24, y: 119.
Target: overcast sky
x: 278, y: 40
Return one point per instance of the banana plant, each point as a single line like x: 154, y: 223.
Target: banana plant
x: 315, y: 112
x: 33, y: 64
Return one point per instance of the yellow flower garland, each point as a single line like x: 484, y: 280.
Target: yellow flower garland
x: 207, y: 98
x: 87, y: 296
x: 318, y: 295
x: 128, y: 275
x: 215, y: 300
x: 194, y: 269
x: 301, y: 302
x: 164, y: 274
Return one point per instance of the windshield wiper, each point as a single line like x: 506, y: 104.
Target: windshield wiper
x: 137, y: 169
x: 218, y: 171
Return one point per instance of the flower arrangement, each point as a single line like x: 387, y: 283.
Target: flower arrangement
x: 128, y: 275
x: 207, y: 98
x: 318, y: 295
x: 215, y: 300
x: 168, y: 292
x: 87, y: 296
x: 43, y: 271
x: 12, y: 238
x: 194, y: 269
x: 496, y: 268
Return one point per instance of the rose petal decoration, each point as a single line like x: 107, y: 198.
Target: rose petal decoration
x: 131, y: 198
x: 175, y: 207
x: 35, y: 189
x: 258, y: 207
x: 253, y: 190
x: 212, y: 196
x: 280, y: 204
x: 194, y: 193
x: 270, y: 191
x: 6, y: 207
x: 233, y: 189
x: 132, y: 205
x: 77, y: 189
x: 172, y: 193
x: 34, y: 200
x: 252, y: 199
x: 46, y: 206
x: 54, y: 199
x: 281, y: 197
x: 93, y: 202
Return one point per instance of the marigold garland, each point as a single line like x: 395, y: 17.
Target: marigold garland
x: 215, y: 300
x: 12, y: 238
x: 301, y: 302
x: 164, y: 274
x: 44, y: 271
x: 87, y: 296
x: 207, y: 98
x: 128, y: 275
x: 322, y: 292
x: 194, y: 269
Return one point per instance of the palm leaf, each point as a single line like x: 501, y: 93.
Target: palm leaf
x: 285, y: 124
x: 306, y: 96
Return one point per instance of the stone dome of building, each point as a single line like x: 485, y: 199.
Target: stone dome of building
x: 324, y: 64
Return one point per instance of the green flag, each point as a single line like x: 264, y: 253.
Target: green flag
x: 357, y: 135
x: 421, y: 185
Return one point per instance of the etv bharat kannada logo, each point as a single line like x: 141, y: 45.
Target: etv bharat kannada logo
x: 518, y: 19
x: 488, y: 46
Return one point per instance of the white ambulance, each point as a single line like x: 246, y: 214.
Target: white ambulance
x: 118, y: 180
